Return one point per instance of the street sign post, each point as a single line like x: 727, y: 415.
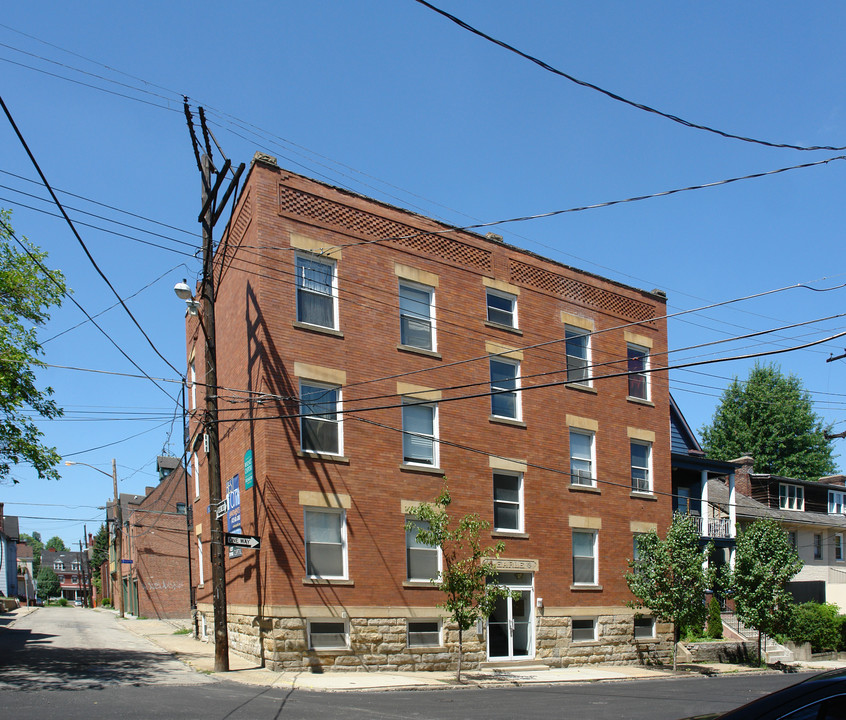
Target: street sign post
x: 247, y: 541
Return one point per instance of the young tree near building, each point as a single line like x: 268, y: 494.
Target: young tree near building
x: 99, y: 555
x: 771, y: 417
x: 468, y: 577
x: 764, y: 562
x: 47, y: 583
x: 668, y: 576
x: 26, y: 295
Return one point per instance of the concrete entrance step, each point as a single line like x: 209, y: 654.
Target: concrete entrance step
x: 514, y: 666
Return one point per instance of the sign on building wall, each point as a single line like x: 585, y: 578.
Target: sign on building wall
x: 248, y: 469
x: 233, y: 512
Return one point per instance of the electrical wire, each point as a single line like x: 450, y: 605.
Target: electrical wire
x: 614, y: 96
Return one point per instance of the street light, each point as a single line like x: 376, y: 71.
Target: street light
x: 118, y: 528
x: 183, y: 292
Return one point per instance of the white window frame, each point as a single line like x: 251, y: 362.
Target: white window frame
x: 430, y: 291
x: 791, y: 497
x: 594, y: 535
x: 593, y: 627
x: 638, y: 354
x: 342, y: 544
x: 411, y: 536
x: 512, y: 313
x: 576, y: 474
x: 506, y: 386
x: 344, y: 645
x: 838, y: 547
x: 321, y: 418
x: 408, y: 434
x: 201, y: 575
x: 195, y: 465
x: 75, y: 565
x: 836, y: 502
x: 193, y: 373
x: 644, y: 621
x: 332, y: 266
x: 637, y: 481
x: 577, y: 365
x: 508, y: 503
x: 818, y: 545
x: 58, y: 565
x: 427, y: 621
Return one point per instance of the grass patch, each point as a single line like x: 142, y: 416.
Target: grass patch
x: 182, y: 631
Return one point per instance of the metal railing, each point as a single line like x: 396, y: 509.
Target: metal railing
x: 713, y: 527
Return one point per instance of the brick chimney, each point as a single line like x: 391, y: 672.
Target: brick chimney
x: 745, y: 467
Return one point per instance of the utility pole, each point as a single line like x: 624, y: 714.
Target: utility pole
x: 221, y: 632
x: 118, y: 541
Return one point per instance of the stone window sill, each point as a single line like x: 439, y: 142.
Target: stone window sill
x: 328, y: 581
x: 419, y: 351
x: 419, y: 584
x: 506, y: 328
x: 586, y: 588
x: 581, y: 388
x: 584, y: 488
x: 506, y: 421
x: 325, y: 457
x: 507, y: 534
x: 317, y: 329
x: 425, y: 469
x: 640, y: 401
x: 643, y: 496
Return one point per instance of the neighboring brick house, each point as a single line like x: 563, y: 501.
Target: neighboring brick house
x: 157, y: 543
x: 526, y: 382
x: 69, y: 567
x: 155, y: 571
x: 813, y: 513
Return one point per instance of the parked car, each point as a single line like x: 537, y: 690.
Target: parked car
x: 78, y: 603
x: 821, y: 697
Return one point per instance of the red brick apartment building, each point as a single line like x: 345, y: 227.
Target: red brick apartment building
x: 525, y: 382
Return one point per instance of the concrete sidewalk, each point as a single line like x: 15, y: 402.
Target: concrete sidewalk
x: 200, y: 655
x: 170, y: 635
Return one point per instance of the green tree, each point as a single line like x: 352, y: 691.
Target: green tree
x: 764, y: 562
x: 99, y: 555
x: 714, y: 626
x: 26, y: 295
x: 468, y: 577
x: 771, y: 417
x: 47, y: 583
x: 56, y: 543
x: 668, y: 576
x: 34, y: 541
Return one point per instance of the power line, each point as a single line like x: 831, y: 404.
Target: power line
x: 77, y: 236
x: 614, y: 96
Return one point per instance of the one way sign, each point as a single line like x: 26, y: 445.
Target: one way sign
x: 247, y: 541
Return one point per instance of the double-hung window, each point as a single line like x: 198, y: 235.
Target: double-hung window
x: 817, y: 546
x: 424, y: 633
x: 644, y: 628
x: 581, y: 458
x: 836, y: 502
x: 422, y: 561
x: 505, y: 401
x: 508, y: 502
x: 502, y: 308
x: 584, y: 629
x: 192, y: 371
x: 641, y: 454
x: 838, y: 547
x: 791, y: 497
x: 195, y: 465
x: 419, y: 433
x: 328, y: 635
x: 417, y: 316
x: 326, y: 543
x: 638, y: 365
x: 577, y: 344
x: 584, y: 557
x: 316, y: 291
x: 320, y: 424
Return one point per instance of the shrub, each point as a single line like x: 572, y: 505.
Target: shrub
x: 714, y: 627
x: 818, y: 624
x: 106, y: 602
x: 63, y: 602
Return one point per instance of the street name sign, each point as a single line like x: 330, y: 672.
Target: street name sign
x: 247, y: 541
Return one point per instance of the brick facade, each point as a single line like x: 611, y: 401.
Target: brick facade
x: 265, y: 356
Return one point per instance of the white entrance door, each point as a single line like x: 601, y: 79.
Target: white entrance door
x: 511, y: 633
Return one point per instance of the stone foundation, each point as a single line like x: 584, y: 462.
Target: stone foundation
x: 380, y: 644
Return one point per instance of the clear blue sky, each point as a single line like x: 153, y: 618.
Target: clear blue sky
x: 389, y: 99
